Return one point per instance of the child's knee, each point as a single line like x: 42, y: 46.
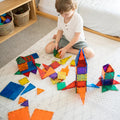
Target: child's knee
x: 89, y: 53
x: 46, y: 49
x: 49, y: 47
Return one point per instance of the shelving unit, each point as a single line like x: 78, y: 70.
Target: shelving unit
x: 9, y: 5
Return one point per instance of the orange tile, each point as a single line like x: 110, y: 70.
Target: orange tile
x: 42, y: 115
x: 20, y: 114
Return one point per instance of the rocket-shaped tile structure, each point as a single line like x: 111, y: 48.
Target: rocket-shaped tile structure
x: 80, y: 84
x: 107, y: 79
x: 81, y: 74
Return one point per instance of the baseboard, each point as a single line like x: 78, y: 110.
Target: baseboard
x: 47, y: 15
x: 85, y: 28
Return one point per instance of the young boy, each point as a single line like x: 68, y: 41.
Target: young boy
x: 70, y: 36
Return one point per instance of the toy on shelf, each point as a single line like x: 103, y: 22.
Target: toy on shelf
x: 107, y: 79
x: 80, y: 84
x: 5, y: 18
x: 27, y: 64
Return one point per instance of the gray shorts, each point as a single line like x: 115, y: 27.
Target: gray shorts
x: 63, y: 42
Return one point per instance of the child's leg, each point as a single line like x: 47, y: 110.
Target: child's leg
x: 89, y: 53
x: 50, y: 47
x: 73, y: 51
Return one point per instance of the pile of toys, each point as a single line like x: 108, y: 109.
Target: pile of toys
x: 5, y: 18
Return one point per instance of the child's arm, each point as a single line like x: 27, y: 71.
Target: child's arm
x: 72, y: 42
x: 59, y: 35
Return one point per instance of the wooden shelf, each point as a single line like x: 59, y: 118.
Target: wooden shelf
x: 16, y: 30
x: 9, y: 5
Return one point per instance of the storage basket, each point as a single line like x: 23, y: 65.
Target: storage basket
x: 7, y: 28
x: 21, y: 15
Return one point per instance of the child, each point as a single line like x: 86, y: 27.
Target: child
x: 70, y: 36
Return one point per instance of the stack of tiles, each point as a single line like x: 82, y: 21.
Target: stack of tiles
x: 27, y: 64
x: 106, y: 80
x: 81, y: 71
x: 107, y: 75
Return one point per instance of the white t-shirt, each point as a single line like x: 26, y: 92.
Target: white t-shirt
x: 74, y: 25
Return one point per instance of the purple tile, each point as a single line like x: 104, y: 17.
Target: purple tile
x: 106, y: 81
x: 81, y: 70
x: 105, y: 67
x: 34, y: 71
x: 25, y: 103
x: 53, y: 76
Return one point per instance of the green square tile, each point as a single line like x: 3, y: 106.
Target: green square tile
x: 109, y: 75
x: 61, y: 85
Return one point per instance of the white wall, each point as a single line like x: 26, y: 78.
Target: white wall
x: 47, y: 6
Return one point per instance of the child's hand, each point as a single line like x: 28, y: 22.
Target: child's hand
x: 56, y: 45
x: 62, y: 52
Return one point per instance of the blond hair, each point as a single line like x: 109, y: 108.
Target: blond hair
x: 65, y: 5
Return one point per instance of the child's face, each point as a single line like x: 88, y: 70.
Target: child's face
x: 67, y: 14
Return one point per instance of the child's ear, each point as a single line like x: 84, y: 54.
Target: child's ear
x: 73, y: 9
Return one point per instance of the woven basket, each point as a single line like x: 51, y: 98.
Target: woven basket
x: 6, y: 29
x: 20, y: 19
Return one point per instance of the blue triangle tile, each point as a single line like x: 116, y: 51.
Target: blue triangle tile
x: 91, y: 85
x: 28, y: 88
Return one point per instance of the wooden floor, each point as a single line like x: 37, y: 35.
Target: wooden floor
x: 85, y: 28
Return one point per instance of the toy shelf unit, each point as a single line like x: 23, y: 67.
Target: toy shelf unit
x: 9, y: 5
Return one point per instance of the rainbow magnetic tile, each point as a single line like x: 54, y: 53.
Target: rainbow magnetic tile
x: 35, y: 55
x: 109, y: 87
x: 55, y: 64
x: 81, y: 70
x: 62, y: 75
x: 28, y: 88
x: 25, y: 103
x: 61, y: 85
x: 72, y: 63
x: 53, y: 76
x: 55, y: 52
x: 109, y: 75
x: 23, y: 66
x: 12, y: 90
x: 42, y: 115
x: 105, y: 67
x: 55, y: 81
x: 82, y: 63
x: 107, y: 81
x: 23, y: 81
x: 31, y: 67
x: 81, y: 83
x: 81, y: 77
x: 20, y: 114
x: 63, y: 61
x: 20, y: 60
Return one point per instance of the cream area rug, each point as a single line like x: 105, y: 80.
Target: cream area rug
x: 67, y: 105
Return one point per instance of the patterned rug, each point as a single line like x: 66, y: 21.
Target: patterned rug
x: 67, y: 105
